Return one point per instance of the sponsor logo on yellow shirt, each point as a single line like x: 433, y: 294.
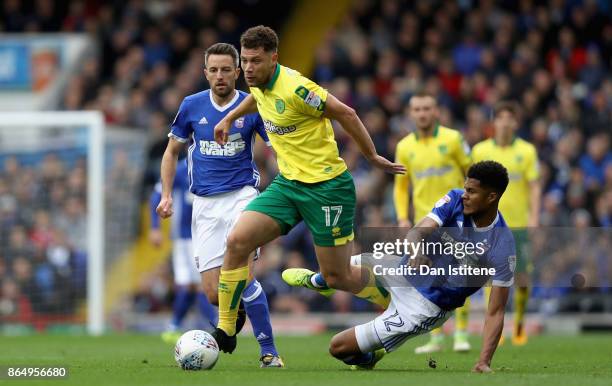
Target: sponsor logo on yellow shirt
x: 280, y: 130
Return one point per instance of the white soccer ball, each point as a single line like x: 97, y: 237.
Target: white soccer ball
x: 196, y: 350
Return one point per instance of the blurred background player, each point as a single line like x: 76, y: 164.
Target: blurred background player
x: 224, y: 181
x: 417, y: 307
x: 313, y: 185
x: 436, y: 160
x: 186, y: 275
x: 521, y: 203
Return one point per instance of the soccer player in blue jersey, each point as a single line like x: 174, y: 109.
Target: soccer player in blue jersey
x: 224, y: 180
x: 186, y: 276
x: 420, y: 303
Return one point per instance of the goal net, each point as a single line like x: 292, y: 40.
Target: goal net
x: 52, y: 216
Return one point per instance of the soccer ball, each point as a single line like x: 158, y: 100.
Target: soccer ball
x: 196, y: 350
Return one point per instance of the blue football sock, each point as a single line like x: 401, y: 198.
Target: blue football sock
x: 256, y: 307
x: 183, y: 300
x: 318, y: 281
x: 359, y: 359
x: 207, y: 310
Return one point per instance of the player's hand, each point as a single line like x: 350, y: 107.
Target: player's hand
x: 222, y: 131
x: 386, y: 165
x: 164, y: 209
x: 481, y: 367
x: 156, y: 237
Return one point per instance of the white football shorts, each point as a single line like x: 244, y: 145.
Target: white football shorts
x: 184, y: 267
x: 409, y: 314
x: 212, y: 221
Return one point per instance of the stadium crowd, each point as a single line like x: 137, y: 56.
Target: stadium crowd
x: 43, y: 238
x: 551, y: 56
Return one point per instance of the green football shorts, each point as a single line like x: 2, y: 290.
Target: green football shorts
x: 523, y: 258
x: 327, y: 207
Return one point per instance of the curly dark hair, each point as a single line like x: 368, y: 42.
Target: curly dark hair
x: 490, y: 174
x: 260, y: 36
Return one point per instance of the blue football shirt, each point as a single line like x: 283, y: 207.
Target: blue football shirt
x: 493, y: 247
x: 215, y: 169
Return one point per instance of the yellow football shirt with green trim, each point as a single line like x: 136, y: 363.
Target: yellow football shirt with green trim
x: 521, y: 160
x: 291, y: 107
x: 434, y: 165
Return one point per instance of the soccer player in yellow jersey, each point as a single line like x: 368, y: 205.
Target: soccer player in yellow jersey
x: 436, y: 160
x: 521, y: 203
x: 313, y: 184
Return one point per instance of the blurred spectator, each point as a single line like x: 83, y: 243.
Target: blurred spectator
x: 43, y: 238
x: 596, y: 160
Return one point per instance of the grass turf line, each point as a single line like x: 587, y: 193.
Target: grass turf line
x: 146, y: 360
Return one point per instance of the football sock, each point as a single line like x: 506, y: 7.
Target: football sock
x: 318, y: 281
x: 436, y: 335
x: 487, y: 295
x: 206, y: 309
x: 462, y: 316
x: 256, y: 307
x: 231, y: 285
x: 183, y: 300
x: 373, y: 292
x: 521, y: 296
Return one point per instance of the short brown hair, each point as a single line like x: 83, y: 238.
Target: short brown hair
x: 221, y: 49
x: 422, y: 93
x: 260, y: 36
x: 509, y: 106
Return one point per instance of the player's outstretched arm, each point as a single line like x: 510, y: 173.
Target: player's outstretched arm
x: 494, y: 324
x: 168, y: 171
x: 415, y: 235
x: 247, y: 106
x: 348, y: 119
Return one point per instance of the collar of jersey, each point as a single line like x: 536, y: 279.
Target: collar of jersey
x: 435, y: 132
x: 274, y: 77
x: 228, y: 105
x: 511, y: 142
x: 488, y: 227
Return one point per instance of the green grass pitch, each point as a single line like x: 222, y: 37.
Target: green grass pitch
x: 145, y: 360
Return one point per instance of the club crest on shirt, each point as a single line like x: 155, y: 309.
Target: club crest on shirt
x: 512, y: 262
x: 280, y: 106
x: 239, y: 123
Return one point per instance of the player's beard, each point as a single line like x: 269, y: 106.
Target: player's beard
x: 226, y: 91
x: 256, y: 82
x: 265, y: 79
x: 427, y: 126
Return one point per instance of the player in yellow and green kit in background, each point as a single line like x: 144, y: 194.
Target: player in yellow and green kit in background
x: 520, y: 205
x: 436, y: 160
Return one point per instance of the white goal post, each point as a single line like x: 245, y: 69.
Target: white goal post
x: 94, y: 122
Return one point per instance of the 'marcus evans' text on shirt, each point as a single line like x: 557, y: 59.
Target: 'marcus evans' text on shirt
x: 215, y: 169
